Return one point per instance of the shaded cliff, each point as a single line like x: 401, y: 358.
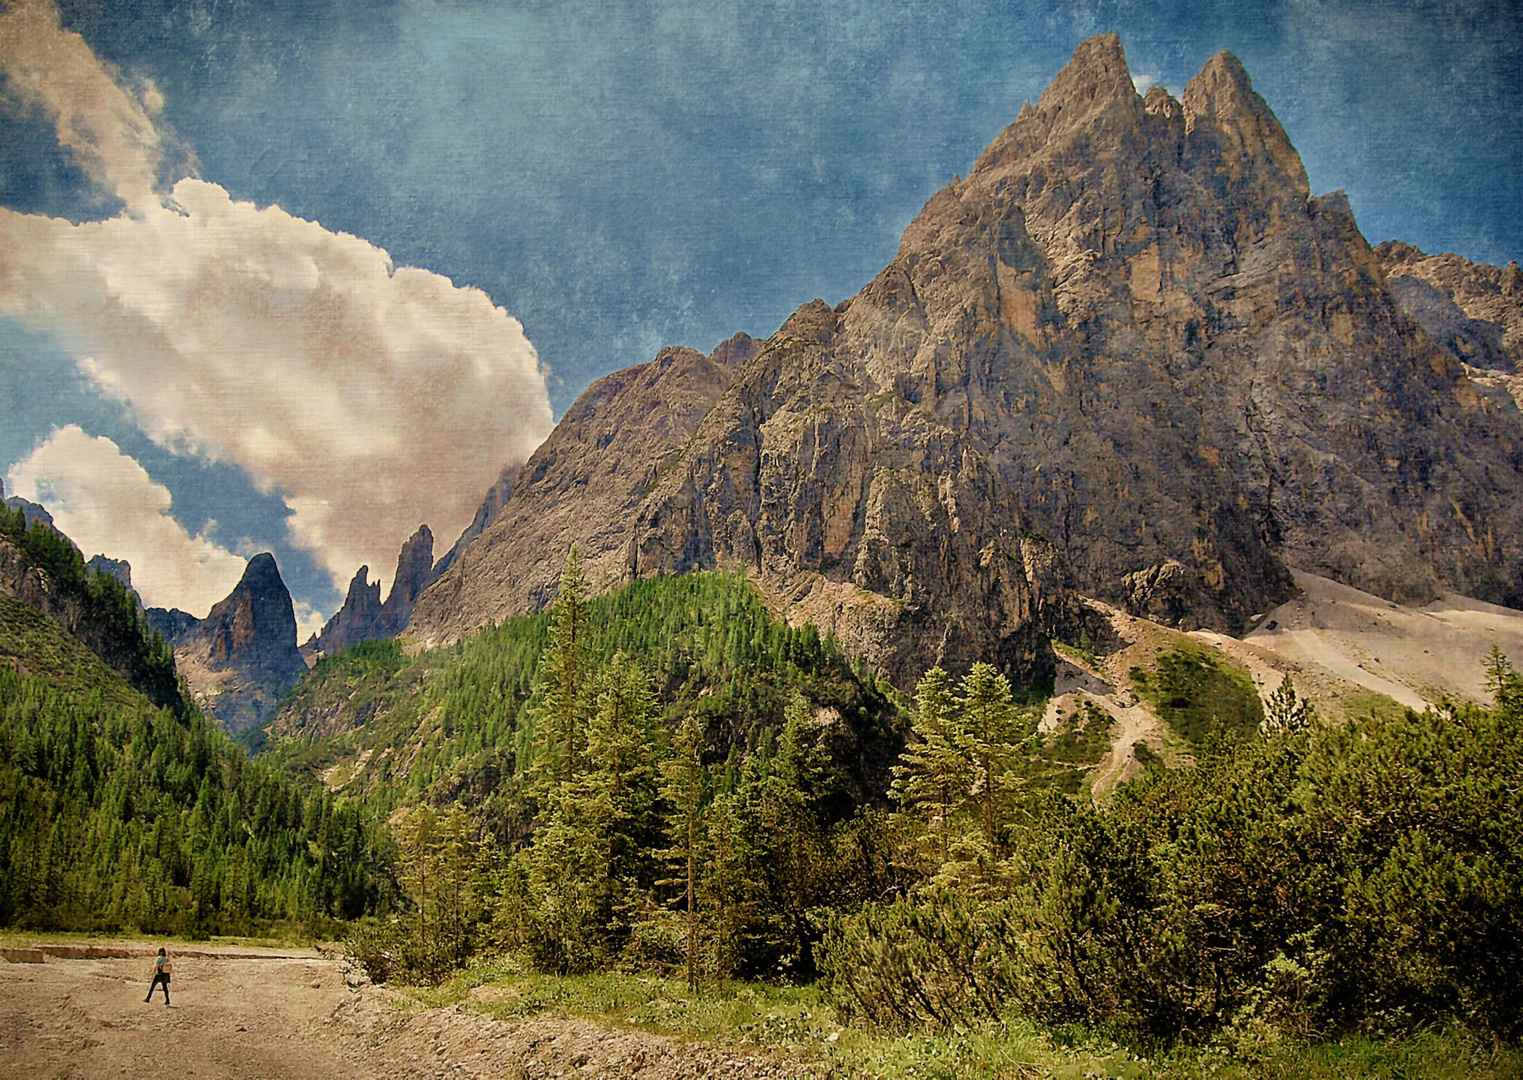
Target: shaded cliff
x: 363, y: 617
x: 1471, y: 310
x: 242, y: 657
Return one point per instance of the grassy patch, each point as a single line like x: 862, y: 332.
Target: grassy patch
x: 1082, y: 654
x: 1084, y: 738
x: 800, y: 1022
x: 1197, y: 691
x: 1361, y: 703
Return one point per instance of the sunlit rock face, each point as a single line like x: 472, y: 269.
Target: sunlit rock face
x: 1130, y: 356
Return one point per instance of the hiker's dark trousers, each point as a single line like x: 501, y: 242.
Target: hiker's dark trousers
x: 159, y: 979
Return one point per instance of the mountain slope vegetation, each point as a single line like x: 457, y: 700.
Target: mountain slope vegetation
x: 116, y: 813
x: 41, y: 566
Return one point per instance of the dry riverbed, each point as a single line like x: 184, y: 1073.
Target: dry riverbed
x: 278, y: 1013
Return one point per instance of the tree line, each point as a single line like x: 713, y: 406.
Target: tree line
x: 117, y: 814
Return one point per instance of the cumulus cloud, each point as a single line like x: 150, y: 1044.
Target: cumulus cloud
x: 106, y: 503
x: 370, y: 398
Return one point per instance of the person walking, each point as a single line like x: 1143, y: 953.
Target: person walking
x: 160, y: 976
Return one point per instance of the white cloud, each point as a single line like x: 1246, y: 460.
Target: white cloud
x: 373, y: 399
x: 309, y: 621
x: 107, y: 504
x: 1143, y: 82
x: 108, y: 130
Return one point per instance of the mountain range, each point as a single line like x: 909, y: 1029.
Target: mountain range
x: 1129, y: 358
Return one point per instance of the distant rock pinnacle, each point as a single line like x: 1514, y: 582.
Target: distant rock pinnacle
x: 243, y: 655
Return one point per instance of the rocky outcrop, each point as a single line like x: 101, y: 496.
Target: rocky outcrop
x: 1129, y: 355
x: 30, y: 511
x: 415, y: 572
x: 363, y: 616
x: 242, y: 657
x: 120, y: 569
x: 1471, y: 310
x: 582, y: 487
x: 172, y: 623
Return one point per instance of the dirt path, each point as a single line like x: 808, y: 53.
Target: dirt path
x: 267, y: 1015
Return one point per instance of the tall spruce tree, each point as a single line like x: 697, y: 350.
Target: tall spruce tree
x: 590, y: 867
x: 931, y: 785
x: 988, y: 722
x: 684, y: 788
x: 567, y: 678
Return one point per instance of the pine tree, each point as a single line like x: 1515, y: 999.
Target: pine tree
x: 567, y: 677
x: 932, y: 783
x: 1285, y: 713
x: 616, y: 793
x: 986, y: 712
x: 684, y: 789
x: 419, y: 839
x: 1503, y: 682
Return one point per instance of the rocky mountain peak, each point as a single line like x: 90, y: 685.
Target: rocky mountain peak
x: 254, y: 628
x: 243, y: 655
x: 1096, y: 78
x: 415, y: 572
x: 816, y: 323
x: 1127, y: 357
x: 1229, y: 125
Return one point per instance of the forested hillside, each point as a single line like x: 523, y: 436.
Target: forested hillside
x: 459, y: 722
x: 666, y: 779
x: 42, y: 567
x: 116, y: 813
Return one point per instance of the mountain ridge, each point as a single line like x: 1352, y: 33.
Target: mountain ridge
x: 1130, y: 356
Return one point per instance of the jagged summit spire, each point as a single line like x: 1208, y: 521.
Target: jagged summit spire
x: 1095, y: 84
x: 1095, y: 77
x: 1222, y: 109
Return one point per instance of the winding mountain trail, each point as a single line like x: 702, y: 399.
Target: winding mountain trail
x: 260, y: 1014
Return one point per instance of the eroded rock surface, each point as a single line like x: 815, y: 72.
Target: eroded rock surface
x: 1129, y: 356
x: 242, y: 657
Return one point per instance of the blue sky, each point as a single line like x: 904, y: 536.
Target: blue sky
x: 612, y: 176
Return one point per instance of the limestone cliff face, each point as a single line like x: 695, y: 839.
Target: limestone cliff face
x: 242, y: 656
x: 582, y: 487
x: 1471, y: 310
x: 1129, y: 355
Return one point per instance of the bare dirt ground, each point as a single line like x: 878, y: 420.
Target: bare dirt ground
x: 1339, y: 645
x: 1415, y: 655
x: 259, y: 1014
